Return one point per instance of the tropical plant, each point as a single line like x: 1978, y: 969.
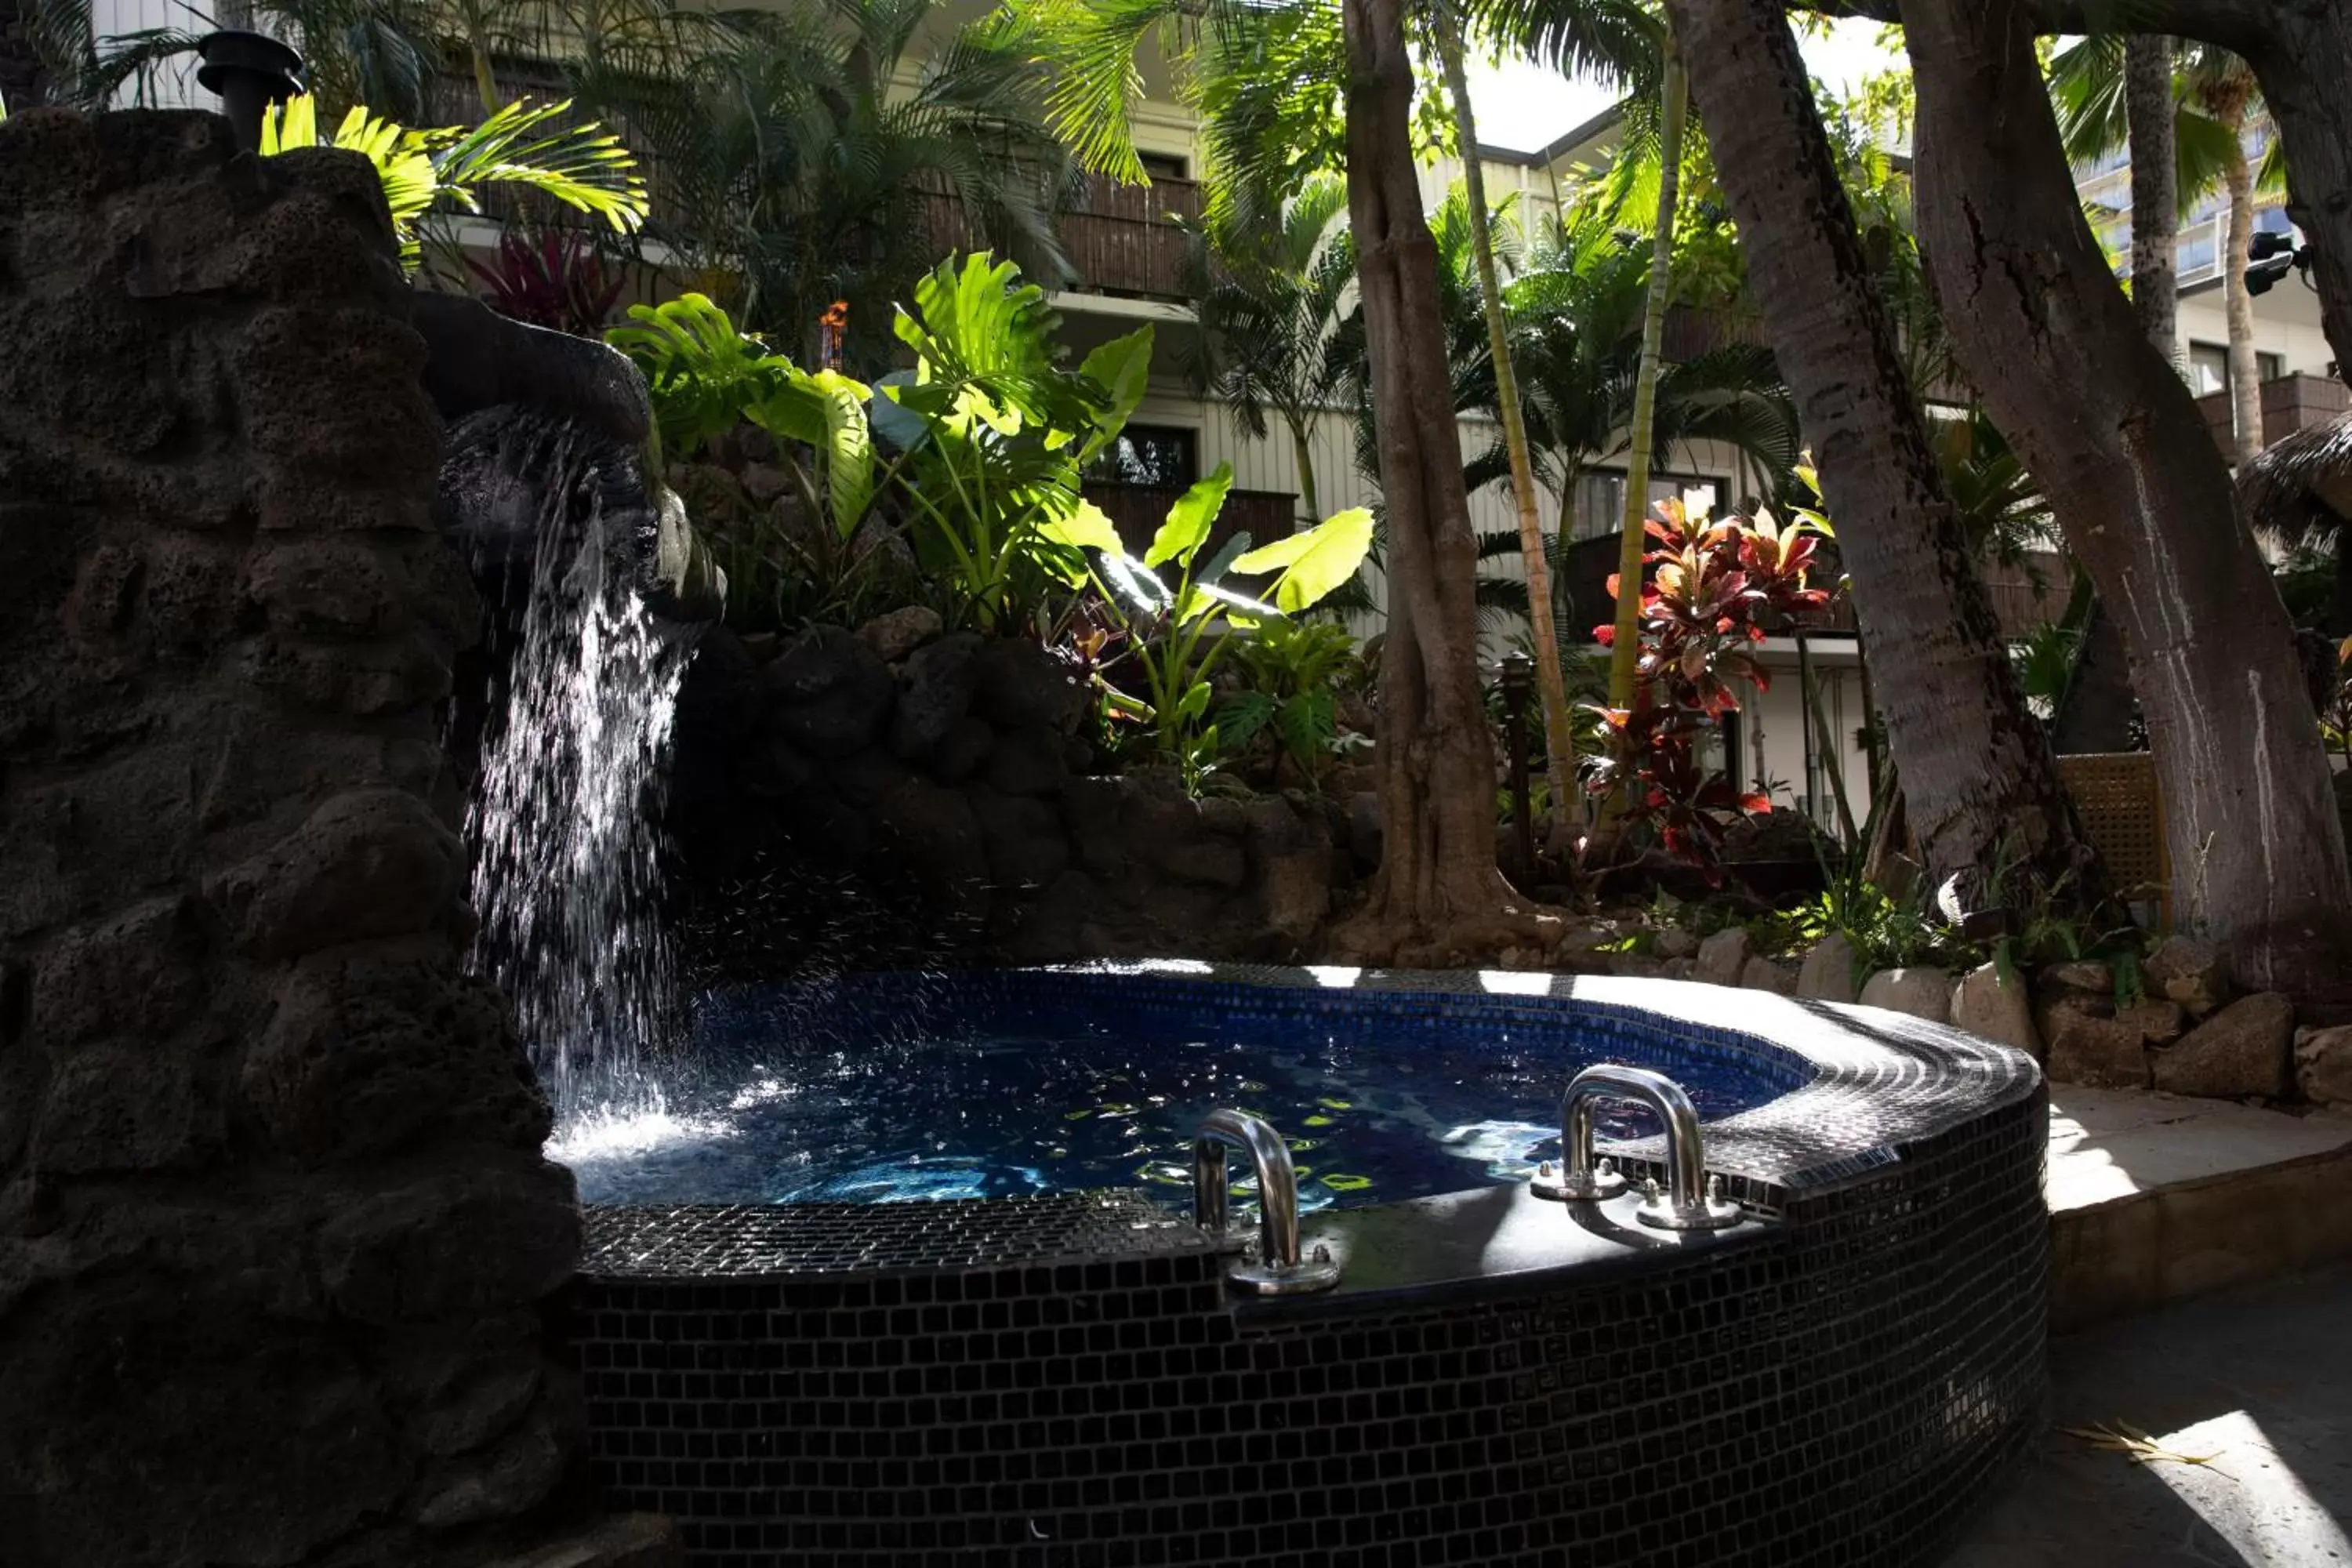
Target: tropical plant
x: 1271, y: 305
x: 995, y: 434
x: 555, y: 279
x: 1578, y: 316
x: 441, y: 171
x: 1294, y: 671
x: 811, y: 552
x: 1178, y: 633
x: 830, y: 153
x: 1716, y: 589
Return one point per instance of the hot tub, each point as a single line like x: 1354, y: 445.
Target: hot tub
x: 911, y: 1279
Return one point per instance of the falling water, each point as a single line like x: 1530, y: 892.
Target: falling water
x: 564, y: 815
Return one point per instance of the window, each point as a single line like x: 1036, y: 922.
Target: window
x: 2209, y: 367
x: 1600, y: 500
x: 1164, y: 165
x: 1159, y: 456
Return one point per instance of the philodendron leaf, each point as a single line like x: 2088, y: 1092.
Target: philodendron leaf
x: 1085, y: 526
x: 848, y: 448
x: 1314, y: 563
x: 1122, y: 368
x: 1190, y: 520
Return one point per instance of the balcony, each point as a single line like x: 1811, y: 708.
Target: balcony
x: 1122, y: 240
x: 2290, y: 403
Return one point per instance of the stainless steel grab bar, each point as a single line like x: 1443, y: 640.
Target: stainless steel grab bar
x: 1279, y: 1269
x: 1693, y: 1199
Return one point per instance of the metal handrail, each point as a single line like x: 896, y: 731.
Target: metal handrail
x: 1278, y: 1270
x: 1693, y: 1200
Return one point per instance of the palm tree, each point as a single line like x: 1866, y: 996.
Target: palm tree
x: 794, y: 170
x: 1271, y: 302
x: 1580, y: 321
x: 2216, y: 99
x: 1551, y: 682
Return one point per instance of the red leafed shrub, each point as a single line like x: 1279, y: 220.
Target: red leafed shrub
x: 1717, y: 588
x: 555, y: 278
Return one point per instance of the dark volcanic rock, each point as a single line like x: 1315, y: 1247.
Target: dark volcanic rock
x: 276, y: 1235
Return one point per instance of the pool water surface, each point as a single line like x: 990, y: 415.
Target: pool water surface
x: 891, y: 1089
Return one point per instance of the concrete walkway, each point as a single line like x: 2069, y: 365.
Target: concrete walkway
x: 2155, y: 1198
x: 2260, y: 1379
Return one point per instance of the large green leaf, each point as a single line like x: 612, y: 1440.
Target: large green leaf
x: 1314, y: 563
x: 1121, y: 367
x: 1086, y: 527
x: 1190, y: 520
x: 848, y: 448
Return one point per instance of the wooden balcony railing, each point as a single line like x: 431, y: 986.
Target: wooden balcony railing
x: 1120, y: 239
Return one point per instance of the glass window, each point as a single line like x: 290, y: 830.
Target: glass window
x: 1164, y: 165
x: 1600, y: 500
x: 1162, y: 457
x: 2197, y: 253
x: 2209, y: 368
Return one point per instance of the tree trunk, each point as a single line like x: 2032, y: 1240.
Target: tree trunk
x: 1303, y: 452
x: 23, y: 81
x: 2155, y: 185
x: 1626, y: 653
x: 1437, y: 892
x: 2246, y: 371
x: 2146, y: 503
x: 1983, y: 791
x: 2301, y: 57
x: 1551, y: 683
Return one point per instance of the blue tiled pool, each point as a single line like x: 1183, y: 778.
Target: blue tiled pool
x: 898, y: 1086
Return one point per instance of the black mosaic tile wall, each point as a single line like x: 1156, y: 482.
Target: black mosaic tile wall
x: 1835, y: 1394
x: 1063, y: 1382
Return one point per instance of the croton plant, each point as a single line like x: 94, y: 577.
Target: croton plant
x: 1712, y: 590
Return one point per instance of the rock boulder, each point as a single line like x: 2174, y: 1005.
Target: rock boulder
x: 1921, y: 990
x: 2245, y: 1049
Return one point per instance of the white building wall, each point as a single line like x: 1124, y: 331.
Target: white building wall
x: 173, y: 87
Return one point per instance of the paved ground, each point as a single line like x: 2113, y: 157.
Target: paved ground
x: 2260, y: 1379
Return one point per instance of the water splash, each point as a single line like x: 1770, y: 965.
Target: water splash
x: 564, y: 818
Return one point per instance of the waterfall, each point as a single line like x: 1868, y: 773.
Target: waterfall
x: 564, y: 815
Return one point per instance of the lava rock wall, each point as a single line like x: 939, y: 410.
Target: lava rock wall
x: 276, y: 1235
x: 945, y: 778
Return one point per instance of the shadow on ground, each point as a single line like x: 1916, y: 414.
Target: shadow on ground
x: 2259, y: 1379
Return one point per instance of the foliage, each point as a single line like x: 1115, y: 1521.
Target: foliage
x: 522, y: 144
x: 1176, y: 634
x: 2212, y: 92
x: 1713, y: 591
x: 830, y: 151
x: 555, y: 280
x: 995, y: 434
x: 1294, y: 671
x: 1270, y: 300
x: 2336, y: 722
x: 706, y: 377
x: 978, y: 449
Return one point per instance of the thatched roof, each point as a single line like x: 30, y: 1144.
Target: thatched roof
x: 2301, y: 486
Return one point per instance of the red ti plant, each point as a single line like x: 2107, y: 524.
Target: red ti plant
x: 555, y: 278
x: 1716, y: 589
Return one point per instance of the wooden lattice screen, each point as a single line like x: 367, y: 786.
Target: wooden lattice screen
x: 2116, y: 795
